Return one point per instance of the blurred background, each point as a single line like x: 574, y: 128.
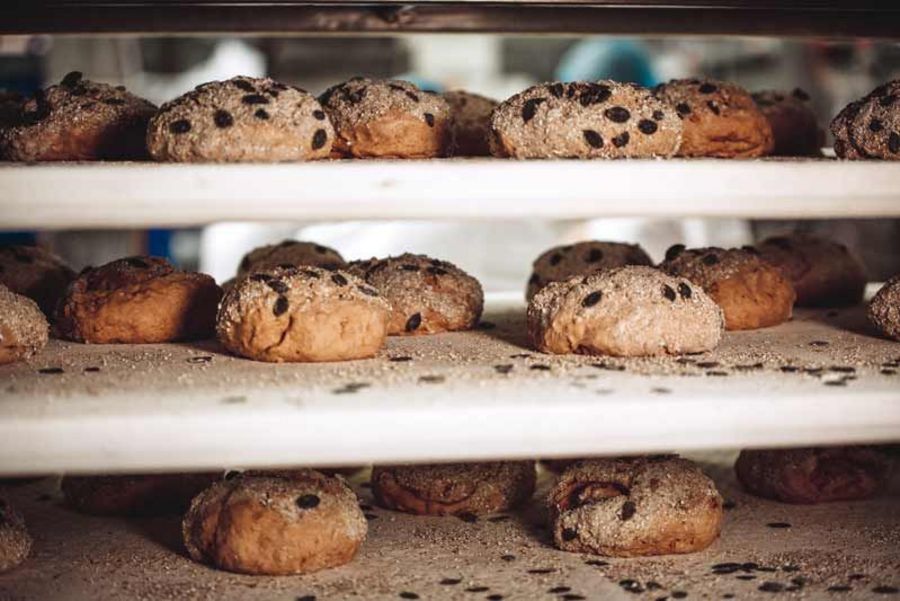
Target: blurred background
x: 499, y: 254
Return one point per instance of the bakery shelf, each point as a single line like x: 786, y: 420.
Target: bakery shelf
x: 842, y: 18
x: 852, y: 546
x: 821, y: 378
x: 116, y: 195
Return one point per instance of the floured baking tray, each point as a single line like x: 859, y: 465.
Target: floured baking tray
x: 767, y: 550
x: 823, y: 377
x: 122, y: 195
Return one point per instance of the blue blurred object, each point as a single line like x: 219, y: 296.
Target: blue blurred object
x: 619, y: 60
x: 158, y: 243
x: 24, y: 238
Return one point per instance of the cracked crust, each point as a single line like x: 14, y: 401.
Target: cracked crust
x: 137, y: 495
x: 427, y: 295
x: 387, y: 118
x: 470, y: 123
x: 795, y: 127
x: 305, y: 314
x: 138, y: 300
x: 23, y: 328
x: 751, y: 292
x: 884, y: 310
x: 814, y: 475
x: 77, y: 120
x: 823, y: 272
x: 454, y: 489
x: 241, y: 120
x: 562, y: 262
x: 36, y: 273
x: 628, y: 507
x: 15, y: 542
x: 628, y: 311
x: 278, y: 523
x: 602, y: 120
x: 720, y: 119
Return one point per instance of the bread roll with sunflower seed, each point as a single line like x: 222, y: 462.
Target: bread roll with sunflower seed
x: 76, y: 120
x: 630, y: 311
x: 275, y: 524
x: 387, y: 118
x: 562, y: 262
x: 427, y: 296
x: 241, y: 120
x: 584, y: 120
x: 305, y: 314
x: 720, y: 119
x: 751, y: 292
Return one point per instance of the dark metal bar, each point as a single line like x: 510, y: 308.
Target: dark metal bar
x: 837, y: 21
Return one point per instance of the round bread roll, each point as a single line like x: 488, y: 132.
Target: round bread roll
x: 629, y: 507
x: 135, y: 495
x: 884, y: 310
x: 602, y: 120
x: 869, y: 128
x: 470, y: 123
x: 427, y: 296
x: 138, y: 300
x: 278, y: 524
x: 290, y: 253
x: 814, y: 475
x: 306, y: 314
x: 454, y: 489
x: 824, y: 273
x: 627, y: 312
x: 15, y: 542
x: 23, y: 328
x: 562, y: 262
x: 78, y: 120
x: 387, y: 118
x: 751, y: 292
x: 720, y: 119
x: 241, y: 120
x: 36, y: 273
x: 795, y: 127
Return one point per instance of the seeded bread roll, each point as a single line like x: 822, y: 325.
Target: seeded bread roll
x: 138, y: 300
x: 454, y: 489
x: 584, y: 120
x: 23, y: 328
x: 241, y: 120
x: 884, y: 310
x: 869, y: 128
x: 823, y: 272
x: 795, y: 127
x: 77, y: 120
x: 562, y: 262
x: 15, y: 542
x: 136, y: 495
x: 629, y: 507
x: 387, y: 118
x: 814, y: 475
x: 305, y: 314
x: 36, y: 273
x: 626, y: 312
x: 427, y: 296
x: 275, y: 524
x: 720, y: 119
x: 470, y: 123
x: 751, y: 292
x: 290, y: 253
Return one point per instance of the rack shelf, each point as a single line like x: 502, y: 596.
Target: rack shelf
x: 849, y: 545
x: 119, y: 195
x: 842, y: 18
x: 821, y: 378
